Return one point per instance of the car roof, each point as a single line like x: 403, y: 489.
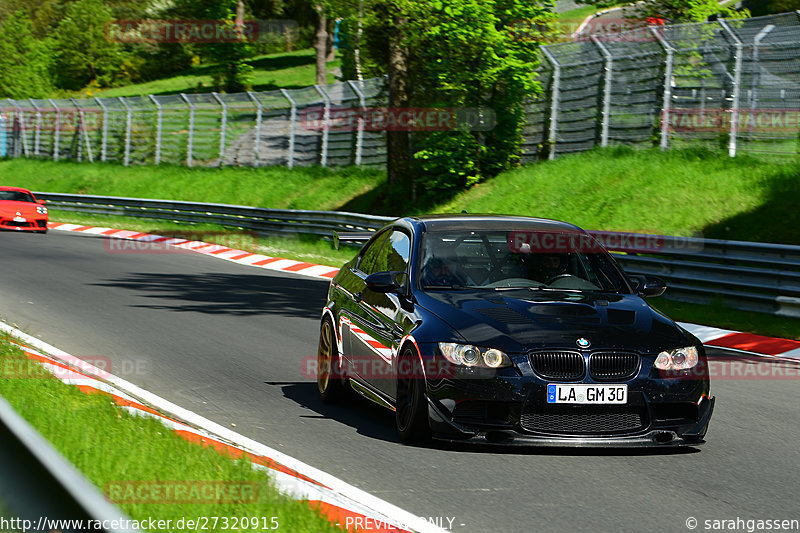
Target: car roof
x: 6, y: 188
x: 447, y: 222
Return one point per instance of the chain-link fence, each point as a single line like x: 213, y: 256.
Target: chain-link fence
x: 285, y: 127
x: 729, y: 83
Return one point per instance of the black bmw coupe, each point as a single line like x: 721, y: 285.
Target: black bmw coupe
x: 509, y: 330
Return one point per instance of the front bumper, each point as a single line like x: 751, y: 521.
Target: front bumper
x: 508, y: 407
x: 445, y: 430
x: 30, y: 224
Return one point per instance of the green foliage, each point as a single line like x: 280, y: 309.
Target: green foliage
x: 232, y: 73
x: 24, y: 61
x: 460, y: 54
x: 83, y: 51
x: 770, y: 7
x: 685, y: 10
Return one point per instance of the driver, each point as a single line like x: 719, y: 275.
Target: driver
x: 552, y: 265
x: 438, y: 272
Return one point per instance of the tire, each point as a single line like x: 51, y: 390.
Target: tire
x: 411, y: 414
x: 330, y: 379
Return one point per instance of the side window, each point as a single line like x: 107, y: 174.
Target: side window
x: 394, y: 255
x: 366, y: 262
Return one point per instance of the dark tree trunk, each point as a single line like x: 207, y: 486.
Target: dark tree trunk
x: 321, y: 45
x: 330, y: 51
x: 397, y: 142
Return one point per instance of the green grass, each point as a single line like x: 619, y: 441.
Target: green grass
x: 681, y: 192
x: 276, y: 187
x: 287, y: 70
x: 111, y: 446
x: 718, y: 315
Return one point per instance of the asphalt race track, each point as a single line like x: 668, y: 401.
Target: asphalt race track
x: 227, y: 341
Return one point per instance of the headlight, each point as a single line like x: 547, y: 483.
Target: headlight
x: 42, y: 210
x: 678, y: 359
x: 468, y: 355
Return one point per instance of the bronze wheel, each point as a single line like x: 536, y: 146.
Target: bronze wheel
x: 329, y: 377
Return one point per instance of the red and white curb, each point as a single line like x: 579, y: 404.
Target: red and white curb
x: 215, y: 250
x: 710, y: 336
x: 340, y: 502
x: 745, y: 342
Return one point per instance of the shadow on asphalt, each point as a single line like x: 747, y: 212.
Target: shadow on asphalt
x: 375, y: 422
x: 232, y: 294
x: 365, y: 417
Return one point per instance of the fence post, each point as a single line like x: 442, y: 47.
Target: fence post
x: 362, y: 103
x: 223, y: 127
x: 737, y: 80
x: 37, y: 129
x: 82, y: 130
x: 326, y: 124
x: 756, y: 42
x: 104, y: 139
x: 20, y: 116
x: 56, y: 136
x: 159, y: 121
x: 554, y: 101
x: 190, y: 142
x: 666, y: 101
x: 257, y: 142
x: 292, y: 120
x: 128, y: 124
x: 606, y: 91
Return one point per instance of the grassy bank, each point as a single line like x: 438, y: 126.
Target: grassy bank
x: 112, y: 448
x: 276, y: 187
x: 681, y: 192
x: 288, y: 70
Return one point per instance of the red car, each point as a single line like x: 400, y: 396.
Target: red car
x: 21, y: 211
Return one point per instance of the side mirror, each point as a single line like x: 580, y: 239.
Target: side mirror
x: 388, y: 281
x: 42, y: 202
x: 648, y: 285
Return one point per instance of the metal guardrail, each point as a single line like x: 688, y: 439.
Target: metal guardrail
x: 751, y: 276
x: 256, y: 219
x: 39, y: 486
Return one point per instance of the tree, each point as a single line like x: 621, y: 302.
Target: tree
x: 460, y: 55
x: 83, y: 51
x: 24, y: 60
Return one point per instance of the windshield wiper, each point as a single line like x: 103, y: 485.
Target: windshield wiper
x: 554, y: 289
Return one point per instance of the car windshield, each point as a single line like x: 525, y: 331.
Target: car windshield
x: 16, y: 196
x: 515, y: 259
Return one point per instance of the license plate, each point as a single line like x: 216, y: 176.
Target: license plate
x: 594, y: 394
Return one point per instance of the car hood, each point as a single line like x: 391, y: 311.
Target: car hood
x: 9, y: 209
x: 523, y: 320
